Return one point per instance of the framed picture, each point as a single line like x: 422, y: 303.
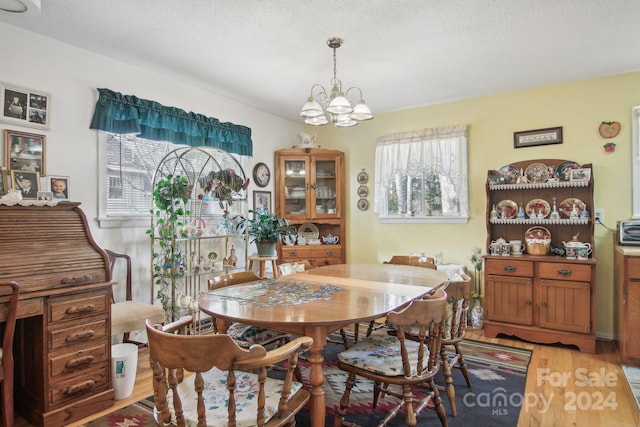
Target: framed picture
x: 59, y: 187
x: 45, y: 195
x: 530, y: 138
x: 496, y: 179
x: 4, y: 181
x: 580, y: 175
x: 262, y: 201
x: 24, y: 151
x: 27, y: 182
x: 25, y: 107
x: 261, y: 174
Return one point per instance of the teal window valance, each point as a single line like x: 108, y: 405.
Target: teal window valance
x: 127, y: 114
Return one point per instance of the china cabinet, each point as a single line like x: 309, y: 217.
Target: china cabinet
x: 199, y: 195
x: 541, y: 295
x: 310, y: 193
x: 626, y: 302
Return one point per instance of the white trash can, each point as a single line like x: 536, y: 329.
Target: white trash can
x: 124, y: 364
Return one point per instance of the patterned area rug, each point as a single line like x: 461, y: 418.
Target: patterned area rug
x: 498, y: 376
x: 632, y: 374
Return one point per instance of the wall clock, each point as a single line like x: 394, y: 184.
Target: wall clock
x: 261, y: 174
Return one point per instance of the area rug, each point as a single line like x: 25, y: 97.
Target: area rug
x: 632, y: 374
x: 498, y: 376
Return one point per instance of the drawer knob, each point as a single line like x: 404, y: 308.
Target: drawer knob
x: 77, y: 280
x: 564, y: 272
x: 329, y: 253
x: 83, y: 336
x: 81, y: 309
x: 293, y: 253
x: 80, y: 361
x: 80, y: 387
x: 510, y: 268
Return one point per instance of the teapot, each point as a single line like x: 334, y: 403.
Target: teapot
x: 307, y: 139
x: 289, y: 239
x: 330, y: 239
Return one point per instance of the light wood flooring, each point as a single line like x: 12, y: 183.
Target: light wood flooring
x: 564, y: 387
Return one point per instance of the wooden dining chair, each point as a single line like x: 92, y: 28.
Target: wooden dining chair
x: 416, y: 261
x: 228, y: 386
x: 390, y: 361
x: 245, y: 335
x: 128, y: 315
x: 6, y: 351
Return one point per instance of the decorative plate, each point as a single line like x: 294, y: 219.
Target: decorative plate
x: 308, y: 230
x: 566, y: 206
x: 563, y: 171
x: 510, y: 174
x: 261, y: 174
x: 363, y: 177
x: 539, y: 206
x: 363, y: 204
x: 363, y: 191
x: 537, y: 172
x: 509, y: 207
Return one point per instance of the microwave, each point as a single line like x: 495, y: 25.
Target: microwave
x: 629, y: 232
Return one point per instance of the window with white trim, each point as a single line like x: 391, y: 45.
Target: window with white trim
x: 421, y: 176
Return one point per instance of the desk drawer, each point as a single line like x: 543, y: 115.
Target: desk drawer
x: 77, y: 360
x: 558, y: 271
x: 509, y: 267
x: 82, y: 334
x: 87, y: 384
x: 78, y: 306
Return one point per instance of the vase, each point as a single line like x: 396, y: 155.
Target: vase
x: 477, y: 315
x: 266, y: 248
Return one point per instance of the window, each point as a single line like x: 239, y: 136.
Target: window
x: 128, y: 166
x: 421, y: 176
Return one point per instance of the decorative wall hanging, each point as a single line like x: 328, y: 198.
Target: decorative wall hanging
x: 363, y: 177
x: 261, y: 174
x: 530, y: 138
x: 262, y: 201
x: 25, y: 107
x: 609, y: 129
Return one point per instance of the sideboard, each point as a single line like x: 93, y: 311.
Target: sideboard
x: 63, y: 335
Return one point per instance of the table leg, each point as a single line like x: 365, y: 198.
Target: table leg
x: 317, y: 407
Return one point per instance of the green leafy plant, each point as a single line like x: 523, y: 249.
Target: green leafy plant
x: 264, y: 226
x: 170, y: 215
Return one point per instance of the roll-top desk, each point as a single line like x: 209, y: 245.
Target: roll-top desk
x: 63, y: 336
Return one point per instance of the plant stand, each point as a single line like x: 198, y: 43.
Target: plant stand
x: 263, y: 260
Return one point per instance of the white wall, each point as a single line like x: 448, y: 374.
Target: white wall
x: 72, y: 75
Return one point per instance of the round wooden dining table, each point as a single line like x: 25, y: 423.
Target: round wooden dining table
x: 320, y: 301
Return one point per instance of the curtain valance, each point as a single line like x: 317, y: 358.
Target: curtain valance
x: 127, y: 114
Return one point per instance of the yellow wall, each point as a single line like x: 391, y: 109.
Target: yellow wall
x: 579, y: 107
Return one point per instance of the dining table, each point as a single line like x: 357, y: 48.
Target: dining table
x: 320, y: 301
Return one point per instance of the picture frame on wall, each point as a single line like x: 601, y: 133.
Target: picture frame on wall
x: 262, y: 201
x: 530, y: 138
x: 580, y: 175
x: 28, y: 183
x: 25, y: 151
x: 4, y: 181
x: 59, y: 187
x: 25, y: 107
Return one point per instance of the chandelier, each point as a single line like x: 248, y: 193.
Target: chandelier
x: 334, y: 107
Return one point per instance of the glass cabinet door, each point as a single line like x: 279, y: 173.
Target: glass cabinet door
x: 325, y: 187
x: 296, y: 188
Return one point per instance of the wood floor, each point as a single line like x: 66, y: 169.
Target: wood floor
x: 564, y: 387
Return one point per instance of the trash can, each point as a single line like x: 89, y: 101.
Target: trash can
x: 124, y: 364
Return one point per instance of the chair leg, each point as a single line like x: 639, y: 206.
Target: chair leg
x: 338, y: 420
x: 437, y: 403
x: 463, y: 365
x: 448, y: 380
x: 7, y: 403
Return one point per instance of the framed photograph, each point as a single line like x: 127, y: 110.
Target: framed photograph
x: 59, y: 187
x: 580, y: 175
x: 45, y: 195
x: 25, y: 107
x: 27, y: 182
x: 363, y: 191
x: 530, y: 138
x: 262, y: 201
x: 261, y: 174
x: 4, y: 181
x: 24, y: 151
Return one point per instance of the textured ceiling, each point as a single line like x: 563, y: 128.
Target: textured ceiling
x: 401, y: 53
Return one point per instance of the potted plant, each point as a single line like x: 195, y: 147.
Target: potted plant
x: 264, y: 229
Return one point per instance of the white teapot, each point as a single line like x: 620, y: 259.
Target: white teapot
x: 330, y: 239
x: 307, y: 139
x: 289, y: 239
